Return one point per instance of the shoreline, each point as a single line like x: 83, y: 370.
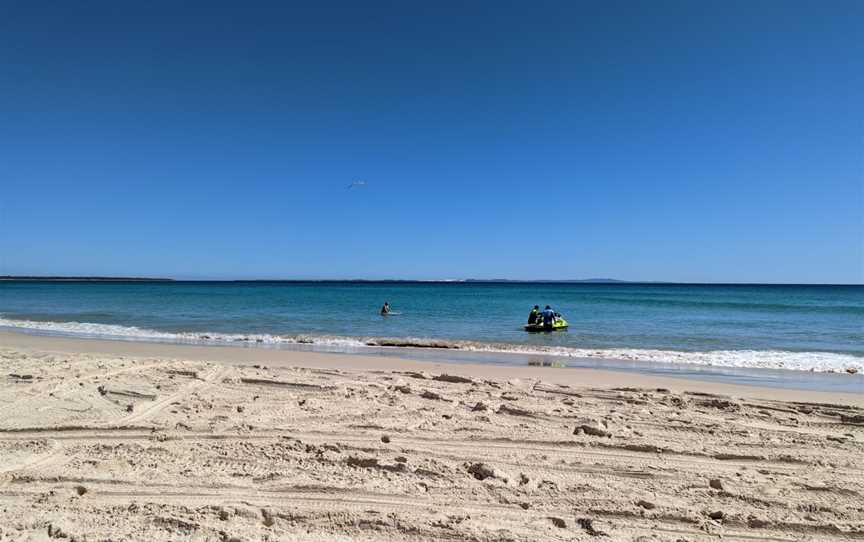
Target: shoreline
x: 740, y: 364
x: 402, y: 360
x: 145, y: 441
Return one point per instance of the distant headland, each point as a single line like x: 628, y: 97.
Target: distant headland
x: 84, y: 279
x: 593, y: 281
x: 36, y: 278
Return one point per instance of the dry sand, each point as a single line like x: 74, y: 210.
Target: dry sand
x: 124, y: 441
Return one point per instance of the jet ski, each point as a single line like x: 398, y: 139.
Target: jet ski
x: 558, y: 325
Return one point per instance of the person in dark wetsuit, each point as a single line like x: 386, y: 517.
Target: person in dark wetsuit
x: 534, y: 316
x: 548, y: 317
x: 385, y: 310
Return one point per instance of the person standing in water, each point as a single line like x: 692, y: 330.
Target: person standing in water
x: 534, y: 315
x: 548, y: 317
x: 385, y: 310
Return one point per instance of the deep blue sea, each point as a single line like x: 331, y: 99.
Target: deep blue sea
x: 817, y: 328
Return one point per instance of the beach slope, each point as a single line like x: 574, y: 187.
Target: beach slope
x: 98, y: 446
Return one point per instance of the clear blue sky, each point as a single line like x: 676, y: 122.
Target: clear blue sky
x: 681, y: 141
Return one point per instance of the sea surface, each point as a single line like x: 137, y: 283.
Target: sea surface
x: 806, y: 328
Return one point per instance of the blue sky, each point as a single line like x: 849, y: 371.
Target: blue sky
x: 681, y: 141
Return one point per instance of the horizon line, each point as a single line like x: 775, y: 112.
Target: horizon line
x: 99, y: 278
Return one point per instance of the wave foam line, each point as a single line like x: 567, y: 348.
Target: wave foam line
x: 751, y: 359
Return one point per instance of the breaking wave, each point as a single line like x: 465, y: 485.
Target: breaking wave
x: 752, y: 359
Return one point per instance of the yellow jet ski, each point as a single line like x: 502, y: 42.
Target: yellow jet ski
x: 558, y: 325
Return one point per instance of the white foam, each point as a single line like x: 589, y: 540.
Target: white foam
x: 136, y: 333
x: 751, y: 359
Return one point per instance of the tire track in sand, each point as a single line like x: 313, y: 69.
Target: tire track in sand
x: 215, y: 375
x: 332, y: 499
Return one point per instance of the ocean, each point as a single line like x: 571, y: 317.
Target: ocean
x: 806, y: 328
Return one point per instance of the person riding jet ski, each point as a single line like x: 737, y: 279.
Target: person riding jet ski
x: 534, y: 316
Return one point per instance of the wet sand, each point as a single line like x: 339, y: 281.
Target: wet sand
x: 137, y: 441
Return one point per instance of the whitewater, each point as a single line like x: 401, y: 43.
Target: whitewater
x: 749, y: 359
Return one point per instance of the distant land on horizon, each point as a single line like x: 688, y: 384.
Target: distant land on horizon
x: 84, y: 279
x: 37, y: 278
x: 551, y: 280
x: 158, y: 279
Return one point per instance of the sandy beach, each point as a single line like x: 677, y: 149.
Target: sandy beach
x: 105, y: 440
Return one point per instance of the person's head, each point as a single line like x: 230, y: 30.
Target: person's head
x: 536, y: 307
x: 548, y: 307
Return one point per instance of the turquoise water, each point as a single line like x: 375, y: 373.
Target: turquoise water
x: 796, y: 327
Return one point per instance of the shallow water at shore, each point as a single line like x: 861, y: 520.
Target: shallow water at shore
x: 804, y: 328
x: 835, y: 382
